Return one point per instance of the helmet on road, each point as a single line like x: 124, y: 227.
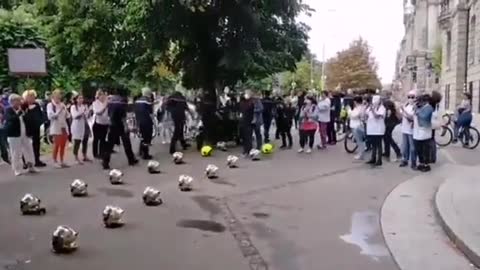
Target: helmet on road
x: 267, y: 148
x: 206, y: 151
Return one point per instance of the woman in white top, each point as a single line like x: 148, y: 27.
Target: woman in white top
x: 323, y: 108
x: 376, y: 113
x: 100, y: 124
x: 408, y: 147
x: 79, y: 112
x: 57, y: 114
x: 357, y: 116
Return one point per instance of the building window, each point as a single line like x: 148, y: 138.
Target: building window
x: 447, y: 97
x: 472, y: 40
x: 448, y: 48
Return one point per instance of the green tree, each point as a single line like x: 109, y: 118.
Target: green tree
x: 353, y: 68
x: 308, y: 75
x: 19, y: 28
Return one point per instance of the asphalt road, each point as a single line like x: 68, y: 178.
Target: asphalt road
x: 288, y: 211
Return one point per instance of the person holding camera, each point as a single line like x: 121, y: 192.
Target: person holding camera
x: 422, y: 131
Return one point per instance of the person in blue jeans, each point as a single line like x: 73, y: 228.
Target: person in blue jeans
x: 357, y: 124
x: 408, y: 147
x: 463, y: 116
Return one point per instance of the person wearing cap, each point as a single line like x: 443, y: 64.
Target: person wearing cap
x: 376, y: 114
x: 19, y: 134
x: 144, y: 116
x: 34, y: 115
x: 408, y: 147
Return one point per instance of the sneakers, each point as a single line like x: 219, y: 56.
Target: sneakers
x: 40, y: 164
x: 17, y: 173
x: 300, y: 150
x: 308, y: 151
x: 358, y: 157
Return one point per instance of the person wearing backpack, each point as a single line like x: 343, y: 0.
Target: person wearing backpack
x: 392, y: 119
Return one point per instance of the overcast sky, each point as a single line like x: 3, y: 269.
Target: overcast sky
x: 336, y: 23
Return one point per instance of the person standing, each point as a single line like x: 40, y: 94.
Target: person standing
x: 79, y: 128
x: 19, y: 133
x: 257, y: 120
x: 408, y: 147
x: 356, y: 114
x: 101, y: 122
x: 464, y: 117
x: 58, y: 115
x: 144, y: 117
x: 285, y: 113
x: 323, y: 107
x: 335, y: 108
x: 392, y: 119
x: 34, y: 116
x: 46, y: 122
x: 246, y: 107
x: 376, y: 113
x: 3, y: 136
x: 422, y: 132
x: 177, y: 107
x: 268, y: 112
x: 298, y: 101
x: 117, y: 113
x: 308, y: 120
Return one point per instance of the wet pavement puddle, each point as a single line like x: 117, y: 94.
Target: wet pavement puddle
x: 115, y: 192
x: 365, y: 228
x: 203, y: 225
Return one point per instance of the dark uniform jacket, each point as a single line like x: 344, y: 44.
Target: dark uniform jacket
x: 12, y: 123
x: 143, y: 111
x: 177, y: 106
x: 268, y: 108
x: 117, y: 111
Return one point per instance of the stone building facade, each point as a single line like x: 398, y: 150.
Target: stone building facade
x: 455, y: 31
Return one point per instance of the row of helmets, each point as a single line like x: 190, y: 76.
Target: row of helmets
x: 64, y: 237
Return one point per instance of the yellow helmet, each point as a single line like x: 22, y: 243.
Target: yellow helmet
x: 267, y: 148
x: 206, y: 151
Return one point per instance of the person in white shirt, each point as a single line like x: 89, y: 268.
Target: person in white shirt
x: 408, y: 147
x: 376, y: 113
x: 79, y: 127
x: 323, y: 108
x: 57, y: 114
x: 357, y: 125
x: 100, y: 124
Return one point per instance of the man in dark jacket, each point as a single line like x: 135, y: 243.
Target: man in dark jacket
x: 143, y: 115
x: 19, y: 133
x: 391, y: 121
x: 177, y: 106
x: 247, y: 107
x: 268, y: 112
x: 34, y: 116
x: 117, y: 111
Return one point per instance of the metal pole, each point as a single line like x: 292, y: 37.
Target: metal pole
x: 323, y: 67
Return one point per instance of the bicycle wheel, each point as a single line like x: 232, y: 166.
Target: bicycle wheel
x: 350, y: 143
x: 339, y: 130
x: 443, y: 136
x: 472, y: 140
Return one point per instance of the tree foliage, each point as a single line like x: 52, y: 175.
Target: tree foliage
x: 353, y: 68
x: 18, y: 29
x: 308, y: 75
x: 213, y: 43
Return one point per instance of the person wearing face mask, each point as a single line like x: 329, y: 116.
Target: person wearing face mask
x: 324, y: 116
x: 376, y: 113
x: 408, y: 147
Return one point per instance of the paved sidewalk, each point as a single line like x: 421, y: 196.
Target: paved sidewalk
x: 457, y: 202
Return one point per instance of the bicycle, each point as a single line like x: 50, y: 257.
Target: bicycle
x: 350, y: 144
x: 466, y: 135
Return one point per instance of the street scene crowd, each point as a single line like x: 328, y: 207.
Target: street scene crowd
x: 110, y: 119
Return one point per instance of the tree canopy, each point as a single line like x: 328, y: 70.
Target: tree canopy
x: 353, y: 68
x: 213, y: 43
x: 308, y: 75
